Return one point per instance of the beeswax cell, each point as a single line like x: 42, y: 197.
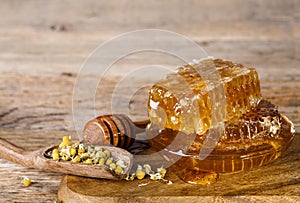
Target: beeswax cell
x: 181, y: 101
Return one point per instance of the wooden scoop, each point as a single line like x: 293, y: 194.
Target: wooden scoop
x: 38, y: 159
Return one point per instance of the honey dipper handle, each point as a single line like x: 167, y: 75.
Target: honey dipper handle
x: 15, y: 154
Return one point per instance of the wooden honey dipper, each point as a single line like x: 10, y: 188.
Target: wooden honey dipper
x: 117, y: 130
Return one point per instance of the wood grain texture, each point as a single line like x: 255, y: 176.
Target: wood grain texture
x: 44, y: 44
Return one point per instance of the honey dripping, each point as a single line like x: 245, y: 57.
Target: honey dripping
x: 255, y: 132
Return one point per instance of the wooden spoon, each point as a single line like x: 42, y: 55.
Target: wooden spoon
x: 38, y: 159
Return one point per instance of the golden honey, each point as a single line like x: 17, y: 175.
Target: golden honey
x: 254, y: 134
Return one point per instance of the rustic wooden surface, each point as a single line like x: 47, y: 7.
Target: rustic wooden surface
x: 44, y: 44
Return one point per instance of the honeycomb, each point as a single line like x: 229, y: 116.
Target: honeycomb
x: 180, y: 106
x: 186, y: 93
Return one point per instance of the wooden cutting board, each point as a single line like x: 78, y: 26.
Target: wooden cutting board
x: 267, y: 183
x: 228, y: 189
x: 80, y: 189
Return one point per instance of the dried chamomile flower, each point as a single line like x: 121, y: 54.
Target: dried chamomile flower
x: 159, y: 175
x: 162, y: 171
x: 76, y: 159
x: 65, y: 151
x: 118, y: 170
x: 73, y: 151
x: 81, y: 149
x: 66, y: 141
x: 55, y: 154
x: 95, y: 160
x: 88, y: 161
x: 112, y: 166
x: 140, y: 173
x: 26, y: 181
x: 65, y: 157
x: 91, y: 150
x: 156, y: 176
x: 84, y: 155
x: 109, y: 161
x: 107, y: 153
x: 102, y: 161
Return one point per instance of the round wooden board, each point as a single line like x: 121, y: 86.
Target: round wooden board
x: 82, y: 190
x: 259, y: 185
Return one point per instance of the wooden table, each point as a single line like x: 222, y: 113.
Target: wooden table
x: 43, y: 46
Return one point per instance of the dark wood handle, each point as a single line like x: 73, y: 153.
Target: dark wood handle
x: 15, y: 154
